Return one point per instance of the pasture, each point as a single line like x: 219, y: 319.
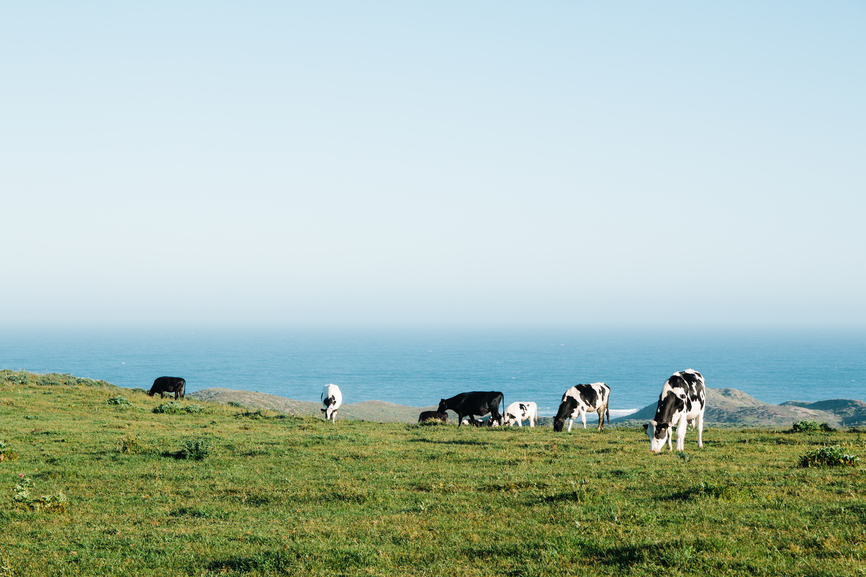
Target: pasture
x: 96, y: 485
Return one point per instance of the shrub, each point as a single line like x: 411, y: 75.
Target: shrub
x: 175, y: 407
x: 15, y: 378
x: 118, y: 400
x: 829, y: 457
x: 6, y: 452
x: 134, y: 445
x: 810, y: 427
x: 23, y: 495
x: 196, y: 449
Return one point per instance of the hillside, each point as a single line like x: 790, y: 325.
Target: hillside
x: 379, y: 411
x: 725, y: 407
x: 103, y: 481
x: 730, y: 407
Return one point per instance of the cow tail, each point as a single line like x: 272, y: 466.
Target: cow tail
x: 607, y: 411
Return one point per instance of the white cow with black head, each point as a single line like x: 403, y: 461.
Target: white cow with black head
x: 578, y: 400
x: 332, y: 398
x: 683, y: 399
x: 519, y: 412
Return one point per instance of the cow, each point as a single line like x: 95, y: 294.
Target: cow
x: 578, y: 400
x: 332, y: 398
x: 519, y: 412
x: 472, y: 421
x: 433, y: 416
x: 683, y: 399
x: 473, y: 403
x: 163, y: 385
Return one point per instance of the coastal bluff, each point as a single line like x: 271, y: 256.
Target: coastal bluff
x: 725, y: 407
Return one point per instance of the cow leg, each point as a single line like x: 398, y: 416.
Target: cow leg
x: 700, y: 428
x: 583, y: 418
x: 682, y: 427
x: 570, y: 422
x: 601, y: 419
x: 520, y: 423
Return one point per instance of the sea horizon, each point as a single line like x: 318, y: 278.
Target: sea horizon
x: 416, y: 366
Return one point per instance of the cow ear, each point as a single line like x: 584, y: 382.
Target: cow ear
x: 645, y: 426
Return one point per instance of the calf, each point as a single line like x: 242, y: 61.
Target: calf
x: 164, y: 385
x: 473, y: 403
x: 332, y: 398
x: 433, y: 416
x: 683, y: 399
x: 578, y: 400
x: 519, y: 412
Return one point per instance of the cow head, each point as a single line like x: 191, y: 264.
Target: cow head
x: 658, y: 435
x: 566, y: 408
x: 150, y: 393
x: 442, y: 406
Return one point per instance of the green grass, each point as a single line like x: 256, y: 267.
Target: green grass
x: 225, y: 491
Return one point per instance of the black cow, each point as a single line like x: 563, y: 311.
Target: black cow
x: 164, y: 385
x: 473, y: 403
x: 578, y: 400
x: 433, y: 416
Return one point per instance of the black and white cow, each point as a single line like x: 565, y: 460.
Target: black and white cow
x: 433, y: 416
x: 578, y: 400
x: 473, y: 403
x: 519, y: 412
x: 163, y: 385
x: 683, y: 399
x: 332, y: 398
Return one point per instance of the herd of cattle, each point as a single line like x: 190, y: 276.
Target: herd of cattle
x: 682, y: 401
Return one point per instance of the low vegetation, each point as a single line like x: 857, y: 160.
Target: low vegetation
x: 810, y: 427
x: 107, y: 489
x: 829, y: 457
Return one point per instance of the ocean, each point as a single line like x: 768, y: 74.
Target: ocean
x: 418, y: 366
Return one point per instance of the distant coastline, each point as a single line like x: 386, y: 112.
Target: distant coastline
x: 725, y: 407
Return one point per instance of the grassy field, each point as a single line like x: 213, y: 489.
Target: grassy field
x: 93, y: 485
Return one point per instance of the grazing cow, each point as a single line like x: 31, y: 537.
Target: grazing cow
x: 164, y: 385
x: 578, y: 400
x: 332, y: 398
x: 474, y: 403
x: 683, y: 399
x: 433, y: 416
x: 519, y: 412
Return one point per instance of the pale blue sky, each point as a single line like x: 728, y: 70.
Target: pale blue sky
x: 465, y: 162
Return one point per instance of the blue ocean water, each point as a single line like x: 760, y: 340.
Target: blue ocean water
x: 419, y: 366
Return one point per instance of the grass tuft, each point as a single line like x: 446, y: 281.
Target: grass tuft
x: 196, y: 449
x: 829, y: 457
x: 173, y: 407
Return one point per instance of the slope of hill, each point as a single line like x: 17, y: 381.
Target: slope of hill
x: 379, y: 411
x: 730, y: 407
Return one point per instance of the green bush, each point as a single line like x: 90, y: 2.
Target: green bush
x: 175, y: 407
x: 23, y: 495
x: 6, y: 452
x: 118, y: 400
x: 810, y: 427
x: 196, y: 449
x: 134, y: 445
x: 829, y: 457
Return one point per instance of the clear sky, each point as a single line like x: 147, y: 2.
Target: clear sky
x: 443, y: 162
